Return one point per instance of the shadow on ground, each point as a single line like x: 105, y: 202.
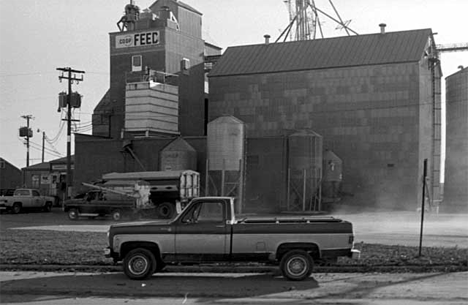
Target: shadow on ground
x: 161, y: 285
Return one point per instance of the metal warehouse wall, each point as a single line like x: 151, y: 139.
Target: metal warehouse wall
x: 378, y: 119
x: 265, y: 177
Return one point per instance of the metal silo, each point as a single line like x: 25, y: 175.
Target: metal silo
x: 332, y: 175
x: 225, y: 157
x: 178, y: 155
x: 304, y: 171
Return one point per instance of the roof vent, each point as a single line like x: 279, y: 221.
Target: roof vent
x: 382, y: 28
x: 267, y: 38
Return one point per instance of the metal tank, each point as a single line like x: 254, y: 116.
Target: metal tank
x: 304, y: 171
x: 178, y: 155
x: 332, y: 175
x: 225, y: 158
x: 225, y: 143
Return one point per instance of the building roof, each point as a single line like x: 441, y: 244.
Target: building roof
x: 9, y: 164
x: 348, y: 51
x: 181, y: 4
x: 46, y: 165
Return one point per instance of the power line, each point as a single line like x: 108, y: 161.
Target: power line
x: 24, y: 74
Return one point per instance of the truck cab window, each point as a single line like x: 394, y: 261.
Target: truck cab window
x: 205, y: 212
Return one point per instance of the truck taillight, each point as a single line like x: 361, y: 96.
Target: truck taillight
x: 351, y: 239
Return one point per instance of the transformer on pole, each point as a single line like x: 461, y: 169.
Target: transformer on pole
x: 72, y: 101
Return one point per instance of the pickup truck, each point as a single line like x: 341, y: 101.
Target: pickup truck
x: 207, y: 231
x: 94, y: 204
x: 26, y: 199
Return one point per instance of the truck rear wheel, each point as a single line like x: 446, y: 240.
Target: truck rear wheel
x: 139, y: 264
x: 296, y: 265
x: 73, y: 214
x: 165, y: 210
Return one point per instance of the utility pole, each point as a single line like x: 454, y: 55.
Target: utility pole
x: 43, y: 145
x: 71, y: 78
x: 28, y: 134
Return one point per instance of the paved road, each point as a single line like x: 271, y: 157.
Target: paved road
x: 207, y: 288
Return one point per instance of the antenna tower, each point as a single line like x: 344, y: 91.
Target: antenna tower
x: 304, y: 21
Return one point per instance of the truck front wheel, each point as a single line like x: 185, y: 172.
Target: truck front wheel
x: 116, y: 215
x: 139, y: 264
x: 73, y: 214
x: 296, y: 265
x: 16, y: 208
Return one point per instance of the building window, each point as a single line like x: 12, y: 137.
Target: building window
x: 136, y: 63
x: 35, y: 181
x: 2, y: 164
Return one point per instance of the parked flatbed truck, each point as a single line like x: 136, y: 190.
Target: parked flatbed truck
x: 158, y: 194
x: 208, y: 231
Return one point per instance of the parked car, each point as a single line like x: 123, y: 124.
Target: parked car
x: 26, y: 199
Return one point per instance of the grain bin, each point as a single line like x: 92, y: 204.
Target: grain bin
x: 225, y: 143
x: 225, y: 157
x: 178, y: 155
x: 332, y: 175
x: 304, y: 171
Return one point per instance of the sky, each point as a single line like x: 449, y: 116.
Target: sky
x: 39, y: 36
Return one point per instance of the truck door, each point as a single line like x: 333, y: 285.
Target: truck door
x: 36, y: 200
x: 202, y: 233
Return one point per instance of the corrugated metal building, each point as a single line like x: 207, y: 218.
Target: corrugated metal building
x: 456, y: 158
x: 10, y: 176
x: 375, y: 100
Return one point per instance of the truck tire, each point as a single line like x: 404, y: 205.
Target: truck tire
x: 296, y: 265
x: 48, y: 207
x: 73, y: 214
x: 165, y: 210
x: 116, y: 215
x: 139, y: 264
x: 16, y: 208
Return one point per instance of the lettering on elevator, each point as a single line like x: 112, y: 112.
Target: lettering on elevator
x: 137, y: 39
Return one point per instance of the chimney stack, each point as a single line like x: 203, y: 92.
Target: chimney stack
x: 382, y: 28
x: 267, y: 38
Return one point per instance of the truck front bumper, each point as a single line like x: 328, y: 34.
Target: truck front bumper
x: 355, y: 254
x: 108, y: 253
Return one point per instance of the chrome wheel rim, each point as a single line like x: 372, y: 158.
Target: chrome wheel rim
x: 297, y: 266
x: 138, y: 265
